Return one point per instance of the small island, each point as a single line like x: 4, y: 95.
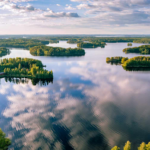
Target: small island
x: 56, y: 51
x: 116, y: 60
x: 91, y: 45
x: 144, y: 49
x: 4, y: 51
x: 129, y: 44
x: 4, y: 142
x: 53, y: 41
x: 24, y: 68
x: 74, y: 41
x: 135, y: 63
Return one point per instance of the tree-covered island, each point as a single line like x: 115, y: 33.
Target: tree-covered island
x: 53, y: 41
x: 91, y: 45
x: 138, y: 63
x: 24, y: 68
x: 144, y: 49
x: 4, y: 51
x: 56, y: 51
x: 21, y: 43
x: 129, y: 44
x: 4, y: 142
x: 116, y: 60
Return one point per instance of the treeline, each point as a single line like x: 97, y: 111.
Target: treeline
x: 135, y: 62
x: 4, y: 51
x: 142, y: 146
x: 116, y: 60
x: 144, y: 49
x: 76, y: 39
x: 21, y: 43
x: 90, y: 45
x: 129, y: 44
x: 24, y: 68
x: 54, y: 41
x: 4, y: 142
x: 56, y: 51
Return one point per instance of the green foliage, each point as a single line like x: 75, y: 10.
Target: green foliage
x: 137, y: 62
x: 115, y: 148
x: 116, y: 60
x: 53, y: 41
x: 91, y: 45
x: 56, y: 51
x: 127, y: 146
x: 144, y: 49
x: 21, y: 43
x: 4, y: 51
x: 4, y: 142
x: 24, y: 67
x: 129, y: 44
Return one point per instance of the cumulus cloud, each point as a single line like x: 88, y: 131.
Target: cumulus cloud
x: 52, y: 14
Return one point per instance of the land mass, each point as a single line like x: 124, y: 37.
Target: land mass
x: 56, y: 51
x: 24, y: 68
x: 21, y: 43
x: 91, y: 45
x: 4, y: 51
x: 144, y: 49
x: 135, y: 63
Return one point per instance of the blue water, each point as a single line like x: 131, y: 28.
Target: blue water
x: 90, y: 105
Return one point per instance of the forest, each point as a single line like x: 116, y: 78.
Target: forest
x: 90, y: 45
x: 21, y: 43
x: 142, y: 146
x: 56, y: 51
x: 129, y: 44
x: 139, y: 62
x: 144, y: 49
x: 54, y: 41
x: 116, y: 60
x: 4, y: 51
x: 4, y: 142
x: 93, y: 39
x: 24, y: 68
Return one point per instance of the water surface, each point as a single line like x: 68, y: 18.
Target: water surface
x: 90, y: 105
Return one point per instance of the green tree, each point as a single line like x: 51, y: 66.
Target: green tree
x: 4, y: 142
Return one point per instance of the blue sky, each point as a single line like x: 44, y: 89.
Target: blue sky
x: 75, y: 16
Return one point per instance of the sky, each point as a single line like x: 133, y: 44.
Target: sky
x: 74, y: 16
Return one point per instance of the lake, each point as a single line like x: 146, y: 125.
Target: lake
x: 91, y: 105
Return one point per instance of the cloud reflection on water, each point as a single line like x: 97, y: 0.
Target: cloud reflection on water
x: 111, y: 109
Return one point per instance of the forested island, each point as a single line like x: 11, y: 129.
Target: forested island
x: 56, y: 51
x: 54, y: 41
x: 135, y: 63
x: 74, y: 41
x: 4, y: 51
x: 116, y: 60
x: 129, y: 44
x: 90, y: 45
x: 4, y: 142
x: 144, y: 49
x: 24, y: 68
x: 21, y: 43
x: 142, y: 146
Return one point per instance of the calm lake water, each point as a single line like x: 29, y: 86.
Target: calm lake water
x: 90, y: 105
